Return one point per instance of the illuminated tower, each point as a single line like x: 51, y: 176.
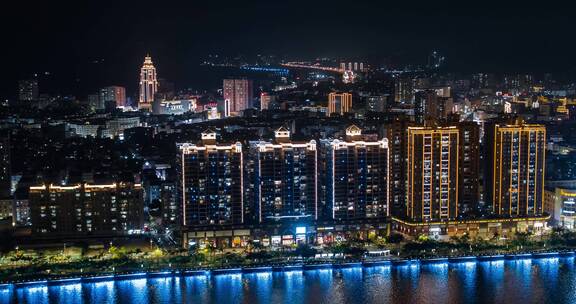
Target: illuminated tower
x: 239, y: 94
x: 432, y: 173
x: 355, y: 177
x: 518, y: 169
x: 339, y: 103
x: 148, y: 84
x: 284, y: 176
x: 211, y: 182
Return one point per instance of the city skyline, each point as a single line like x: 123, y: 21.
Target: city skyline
x: 320, y: 152
x: 179, y: 44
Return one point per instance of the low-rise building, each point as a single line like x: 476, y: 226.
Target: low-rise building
x: 560, y: 203
x: 86, y: 209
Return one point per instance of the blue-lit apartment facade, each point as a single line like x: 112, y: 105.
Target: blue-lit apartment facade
x: 284, y: 176
x: 355, y: 177
x: 282, y: 192
x: 290, y: 192
x: 211, y: 189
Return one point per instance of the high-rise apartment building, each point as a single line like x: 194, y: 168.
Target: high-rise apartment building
x: 339, y: 103
x: 428, y: 105
x: 432, y: 173
x: 238, y: 94
x: 376, y: 103
x: 469, y: 167
x: 169, y: 205
x: 28, y: 90
x: 211, y: 182
x: 148, y: 84
x: 85, y: 209
x: 423, y: 101
x: 397, y: 135
x: 265, y: 100
x: 519, y: 156
x: 404, y: 90
x: 355, y: 177
x: 283, y: 179
x: 113, y: 94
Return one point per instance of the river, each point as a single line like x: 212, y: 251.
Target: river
x: 547, y: 280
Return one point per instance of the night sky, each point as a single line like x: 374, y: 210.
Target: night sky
x: 88, y: 44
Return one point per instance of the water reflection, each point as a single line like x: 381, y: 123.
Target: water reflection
x: 290, y: 286
x: 550, y: 280
x: 195, y: 289
x: 69, y: 293
x: 227, y: 288
x: 100, y: 292
x: 463, y: 281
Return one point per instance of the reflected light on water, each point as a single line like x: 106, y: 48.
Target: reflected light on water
x: 550, y: 280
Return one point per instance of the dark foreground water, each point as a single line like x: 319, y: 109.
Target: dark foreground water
x: 550, y: 280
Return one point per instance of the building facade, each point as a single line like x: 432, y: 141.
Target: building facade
x: 404, y: 90
x: 397, y: 135
x: 115, y: 95
x: 148, y: 84
x: 174, y: 107
x: 238, y: 95
x: 469, y: 193
x: 211, y: 182
x: 377, y: 103
x: 519, y: 155
x: 266, y: 100
x: 284, y: 175
x: 423, y: 101
x: 356, y: 176
x: 86, y: 209
x: 428, y: 104
x: 432, y: 173
x: 560, y: 204
x: 339, y: 103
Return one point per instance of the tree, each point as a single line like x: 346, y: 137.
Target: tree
x: 496, y: 236
x: 338, y: 247
x: 180, y: 259
x: 117, y: 253
x: 157, y: 253
x: 379, y: 241
x: 423, y: 238
x: 305, y: 251
x: 522, y: 239
x: 395, y: 238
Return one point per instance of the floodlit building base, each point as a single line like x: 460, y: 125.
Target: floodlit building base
x: 282, y: 235
x: 484, y: 228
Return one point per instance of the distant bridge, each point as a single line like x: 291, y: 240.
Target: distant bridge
x: 305, y: 65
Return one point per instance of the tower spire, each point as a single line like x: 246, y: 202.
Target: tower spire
x: 148, y: 84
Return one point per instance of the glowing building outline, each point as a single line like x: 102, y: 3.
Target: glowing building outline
x: 345, y: 104
x: 354, y: 141
x: 280, y: 147
x: 509, y: 142
x: 148, y: 84
x: 434, y: 140
x: 207, y: 147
